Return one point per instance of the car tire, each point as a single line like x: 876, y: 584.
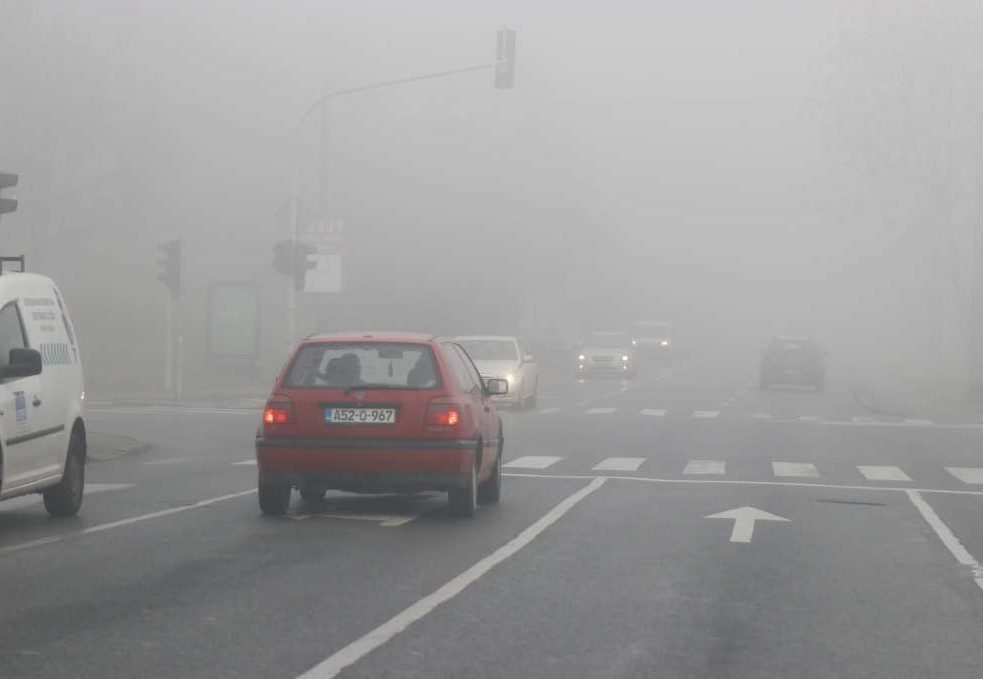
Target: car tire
x: 463, y: 502
x: 490, y: 492
x: 65, y: 499
x: 531, y: 401
x: 274, y: 498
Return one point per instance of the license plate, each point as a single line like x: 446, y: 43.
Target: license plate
x: 360, y: 415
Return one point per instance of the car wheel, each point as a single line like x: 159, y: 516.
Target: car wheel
x: 490, y: 492
x: 463, y: 502
x: 65, y: 499
x: 534, y: 397
x: 274, y: 498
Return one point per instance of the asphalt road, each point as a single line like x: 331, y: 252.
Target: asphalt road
x: 604, y: 559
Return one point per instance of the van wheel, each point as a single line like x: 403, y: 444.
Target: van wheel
x: 274, y: 498
x: 463, y: 502
x: 490, y: 492
x: 65, y: 499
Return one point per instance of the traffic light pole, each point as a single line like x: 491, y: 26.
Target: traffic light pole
x: 293, y: 214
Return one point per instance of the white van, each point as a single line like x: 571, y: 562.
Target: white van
x: 42, y: 434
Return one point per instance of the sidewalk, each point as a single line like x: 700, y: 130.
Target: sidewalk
x: 908, y: 395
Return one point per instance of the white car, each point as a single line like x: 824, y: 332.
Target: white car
x: 607, y: 353
x: 505, y: 358
x: 42, y: 432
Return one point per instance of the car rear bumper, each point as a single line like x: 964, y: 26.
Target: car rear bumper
x: 367, y: 465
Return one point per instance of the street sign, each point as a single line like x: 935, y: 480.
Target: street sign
x: 326, y: 237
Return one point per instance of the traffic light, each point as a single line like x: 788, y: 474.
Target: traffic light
x: 7, y: 180
x: 293, y: 259
x: 170, y: 266
x: 505, y: 59
x: 303, y: 263
x: 283, y: 257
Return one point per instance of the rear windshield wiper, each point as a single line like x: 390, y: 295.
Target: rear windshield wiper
x: 355, y: 387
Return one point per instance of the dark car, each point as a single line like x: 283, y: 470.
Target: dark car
x: 793, y: 360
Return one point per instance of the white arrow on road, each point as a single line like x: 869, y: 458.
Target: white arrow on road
x: 744, y: 518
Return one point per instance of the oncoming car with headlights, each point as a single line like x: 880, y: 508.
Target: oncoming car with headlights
x: 506, y: 358
x: 607, y: 353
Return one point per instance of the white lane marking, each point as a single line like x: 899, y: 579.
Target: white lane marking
x: 600, y: 411
x: 865, y: 419
x: 126, y: 522
x: 744, y: 518
x: 948, y: 538
x: 619, y: 464
x: 166, y: 461
x: 705, y: 467
x: 359, y: 648
x: 971, y: 475
x: 245, y: 463
x: 810, y: 418
x: 794, y: 469
x: 384, y: 520
x: 533, y: 462
x: 90, y: 489
x: 761, y: 416
x: 548, y: 411
x: 771, y: 484
x: 883, y: 473
x: 653, y: 412
x: 918, y: 422
x: 706, y: 414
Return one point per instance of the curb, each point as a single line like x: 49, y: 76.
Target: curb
x: 870, y: 403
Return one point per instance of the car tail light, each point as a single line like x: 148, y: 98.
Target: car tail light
x: 279, y: 410
x: 442, y: 414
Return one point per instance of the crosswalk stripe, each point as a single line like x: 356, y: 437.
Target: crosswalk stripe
x: 652, y: 412
x: 251, y: 463
x: 883, y: 473
x: 533, y: 462
x: 810, y: 418
x: 706, y: 414
x: 917, y: 421
x: 972, y: 475
x: 548, y: 411
x: 865, y: 419
x: 705, y: 467
x: 619, y: 464
x: 166, y: 462
x: 761, y: 416
x: 794, y: 469
x: 601, y: 411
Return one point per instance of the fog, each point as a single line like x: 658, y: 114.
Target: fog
x: 740, y: 169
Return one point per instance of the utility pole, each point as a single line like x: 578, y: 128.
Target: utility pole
x: 170, y: 276
x: 504, y: 71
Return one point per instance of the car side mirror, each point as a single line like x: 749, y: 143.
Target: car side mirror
x: 496, y: 387
x: 528, y: 358
x: 23, y: 363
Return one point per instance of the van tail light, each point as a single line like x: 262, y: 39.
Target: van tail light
x: 443, y: 414
x: 279, y: 410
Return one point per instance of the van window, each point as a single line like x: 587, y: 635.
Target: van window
x: 11, y: 332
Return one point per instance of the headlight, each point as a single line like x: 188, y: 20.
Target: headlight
x: 510, y: 378
x: 664, y: 343
x: 624, y: 358
x: 582, y: 357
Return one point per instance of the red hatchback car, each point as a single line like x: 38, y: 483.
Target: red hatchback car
x: 377, y: 413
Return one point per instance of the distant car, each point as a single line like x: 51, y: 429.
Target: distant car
x: 652, y: 338
x: 607, y: 353
x: 376, y: 413
x: 41, y: 394
x: 505, y: 358
x: 793, y: 360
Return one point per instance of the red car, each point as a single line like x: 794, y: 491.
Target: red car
x: 377, y: 413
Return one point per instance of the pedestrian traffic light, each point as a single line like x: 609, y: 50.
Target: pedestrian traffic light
x: 283, y: 257
x: 505, y: 59
x: 170, y: 265
x: 7, y: 180
x: 303, y: 263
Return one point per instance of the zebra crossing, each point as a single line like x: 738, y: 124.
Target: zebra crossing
x: 968, y: 476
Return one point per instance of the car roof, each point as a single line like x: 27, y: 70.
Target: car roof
x: 485, y: 338
x: 373, y: 336
x: 608, y: 332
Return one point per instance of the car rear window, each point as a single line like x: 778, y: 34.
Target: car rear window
x: 335, y: 365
